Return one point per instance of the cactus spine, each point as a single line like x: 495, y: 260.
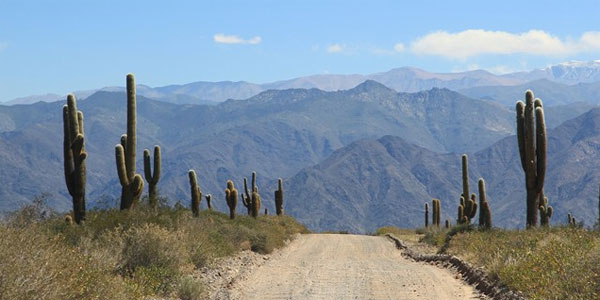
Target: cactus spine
x: 231, y: 196
x: 426, y: 215
x: 209, y: 201
x: 485, y: 214
x: 196, y: 193
x: 132, y: 183
x: 279, y: 198
x: 152, y: 178
x: 74, y: 156
x: 531, y: 135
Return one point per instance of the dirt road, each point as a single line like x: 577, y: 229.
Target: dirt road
x: 340, y: 266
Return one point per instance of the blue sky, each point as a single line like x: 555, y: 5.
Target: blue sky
x: 63, y: 46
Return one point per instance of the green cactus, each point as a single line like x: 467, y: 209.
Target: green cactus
x: 151, y: 178
x: 255, y: 202
x: 485, y: 214
x: 436, y: 216
x: 132, y: 183
x: 74, y: 156
x: 426, y: 215
x: 266, y: 211
x: 209, y: 201
x: 247, y: 199
x: 279, y: 198
x: 545, y: 212
x: 531, y: 135
x: 231, y: 196
x: 465, y: 176
x: 195, y: 192
x: 447, y: 223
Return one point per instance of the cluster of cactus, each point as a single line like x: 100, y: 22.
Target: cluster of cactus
x: 252, y: 200
x: 531, y: 136
x: 485, y: 214
x: 231, y: 196
x: 132, y: 184
x: 467, y: 207
x: 74, y: 156
x: 437, y: 214
x: 279, y: 198
x: 195, y: 192
x: 152, y: 177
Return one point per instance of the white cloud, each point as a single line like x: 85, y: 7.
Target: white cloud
x: 234, y: 39
x: 473, y: 42
x: 399, y: 47
x: 335, y: 48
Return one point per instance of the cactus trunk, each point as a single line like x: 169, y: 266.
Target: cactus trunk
x: 426, y: 215
x: 279, y: 198
x: 195, y: 192
x: 231, y: 197
x: 152, y: 178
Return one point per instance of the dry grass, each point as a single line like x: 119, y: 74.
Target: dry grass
x: 544, y: 263
x: 123, y: 255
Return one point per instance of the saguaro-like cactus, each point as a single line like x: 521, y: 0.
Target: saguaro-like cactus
x: 132, y: 183
x: 531, y: 135
x: 195, y: 192
x: 545, y: 212
x: 447, y: 223
x: 231, y: 196
x: 74, y: 156
x: 152, y: 178
x: 279, y: 198
x: 485, y: 214
x: 465, y: 176
x: 247, y: 200
x: 209, y: 201
x: 426, y: 215
x: 469, y: 205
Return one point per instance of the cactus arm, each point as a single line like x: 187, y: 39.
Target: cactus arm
x: 540, y: 148
x: 147, y: 167
x: 520, y: 108
x: 246, y: 200
x: 120, y: 158
x: 465, y: 175
x: 157, y: 160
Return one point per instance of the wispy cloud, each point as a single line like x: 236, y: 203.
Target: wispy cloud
x: 234, y: 39
x: 335, y: 48
x: 473, y: 42
x: 399, y: 47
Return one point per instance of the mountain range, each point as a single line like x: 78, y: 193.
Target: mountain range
x: 405, y: 79
x: 351, y: 160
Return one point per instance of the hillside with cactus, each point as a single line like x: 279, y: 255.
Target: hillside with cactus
x: 372, y: 183
x: 276, y: 133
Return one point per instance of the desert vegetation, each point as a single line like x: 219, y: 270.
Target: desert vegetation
x: 129, y: 254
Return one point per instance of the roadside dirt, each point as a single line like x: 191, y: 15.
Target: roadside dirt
x: 340, y: 266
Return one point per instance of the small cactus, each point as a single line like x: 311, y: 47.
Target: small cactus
x: 68, y: 220
x: 426, y: 215
x: 447, y: 223
x: 152, y: 178
x: 195, y: 192
x: 266, y: 211
x: 485, y: 215
x: 545, y: 212
x: 279, y: 198
x: 209, y: 201
x: 231, y: 196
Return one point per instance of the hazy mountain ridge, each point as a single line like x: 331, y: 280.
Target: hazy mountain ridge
x: 405, y: 79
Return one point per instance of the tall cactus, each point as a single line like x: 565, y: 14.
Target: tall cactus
x: 195, y: 192
x: 485, y: 214
x: 74, y: 156
x: 252, y: 200
x: 231, y: 196
x: 132, y: 183
x: 152, y: 178
x: 465, y: 176
x: 426, y: 215
x: 545, y: 212
x: 436, y: 216
x: 279, y: 198
x: 531, y: 135
x: 255, y: 200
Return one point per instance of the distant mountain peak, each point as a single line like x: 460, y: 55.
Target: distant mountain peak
x: 371, y: 85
